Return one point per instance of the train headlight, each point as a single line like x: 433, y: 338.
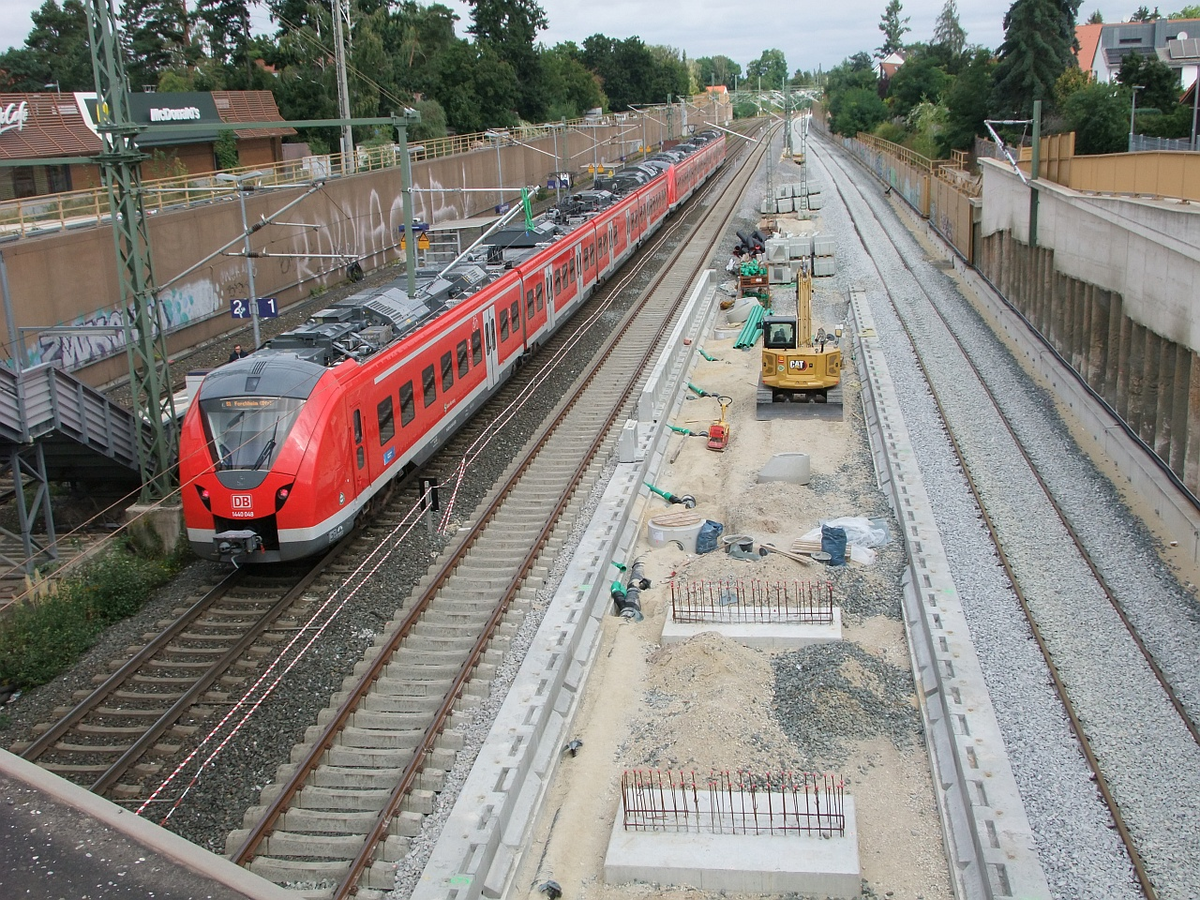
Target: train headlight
x: 205, y: 497
x: 281, y: 496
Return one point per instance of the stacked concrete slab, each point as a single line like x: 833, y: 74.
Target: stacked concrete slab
x: 824, y: 255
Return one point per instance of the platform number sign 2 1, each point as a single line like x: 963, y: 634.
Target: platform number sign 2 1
x: 239, y: 308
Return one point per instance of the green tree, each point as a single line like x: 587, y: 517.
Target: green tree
x: 571, y: 89
x: 157, y: 36
x: 967, y: 103
x: 920, y: 79
x: 225, y: 28
x: 926, y: 124
x: 1039, y: 37
x: 632, y: 73
x: 947, y: 32
x: 432, y: 124
x: 1188, y: 12
x: 1096, y: 18
x: 1070, y: 81
x: 858, y: 109
x: 509, y: 28
x: 712, y: 70
x: 1098, y: 114
x: 1160, y: 85
x: 1143, y: 14
x: 56, y: 50
x: 893, y: 27
x: 771, y: 67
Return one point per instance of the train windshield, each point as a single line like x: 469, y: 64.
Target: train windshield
x: 247, y: 432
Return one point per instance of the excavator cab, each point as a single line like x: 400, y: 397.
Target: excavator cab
x: 796, y: 365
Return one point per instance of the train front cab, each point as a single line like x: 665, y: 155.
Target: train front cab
x: 257, y: 430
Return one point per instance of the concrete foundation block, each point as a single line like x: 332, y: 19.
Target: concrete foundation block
x: 155, y: 528
x: 794, y: 468
x: 824, y: 266
x: 758, y: 635
x: 744, y: 863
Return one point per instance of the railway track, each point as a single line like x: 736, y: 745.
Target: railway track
x: 1125, y: 686
x: 115, y: 739
x: 340, y: 819
x: 149, y: 734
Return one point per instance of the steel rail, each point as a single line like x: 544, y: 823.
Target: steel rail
x: 1102, y: 784
x: 193, y: 694
x: 65, y: 723
x: 246, y: 851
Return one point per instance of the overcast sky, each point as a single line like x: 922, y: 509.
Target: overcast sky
x: 809, y: 34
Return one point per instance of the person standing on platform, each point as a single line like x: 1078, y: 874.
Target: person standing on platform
x: 238, y: 353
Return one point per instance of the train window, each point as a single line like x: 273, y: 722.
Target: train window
x: 463, y: 359
x: 408, y: 406
x: 357, y: 426
x: 387, y: 420
x: 447, y: 371
x: 529, y: 307
x: 504, y: 324
x: 429, y: 386
x: 247, y: 432
x: 557, y: 282
x: 515, y: 312
x: 476, y: 347
x: 361, y: 457
x: 571, y: 269
x: 541, y: 300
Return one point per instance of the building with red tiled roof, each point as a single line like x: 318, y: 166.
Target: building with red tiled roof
x: 39, y: 128
x: 1088, y: 37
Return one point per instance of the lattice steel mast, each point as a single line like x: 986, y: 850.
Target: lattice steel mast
x: 145, y: 336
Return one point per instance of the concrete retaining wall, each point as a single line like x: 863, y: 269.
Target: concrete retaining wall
x: 1109, y: 286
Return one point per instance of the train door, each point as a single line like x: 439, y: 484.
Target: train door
x: 551, y: 318
x: 362, y: 476
x: 491, y: 352
x: 579, y: 279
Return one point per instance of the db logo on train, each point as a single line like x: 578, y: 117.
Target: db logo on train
x: 243, y: 505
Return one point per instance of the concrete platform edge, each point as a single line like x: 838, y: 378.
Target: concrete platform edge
x: 145, y: 833
x: 484, y: 839
x: 987, y: 834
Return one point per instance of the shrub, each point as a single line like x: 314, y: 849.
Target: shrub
x: 43, y: 638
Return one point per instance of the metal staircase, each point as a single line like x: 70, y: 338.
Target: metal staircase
x: 47, y: 418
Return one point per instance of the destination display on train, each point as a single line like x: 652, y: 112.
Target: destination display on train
x: 248, y: 402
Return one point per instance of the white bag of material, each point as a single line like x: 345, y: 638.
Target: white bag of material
x: 859, y: 530
x: 864, y: 556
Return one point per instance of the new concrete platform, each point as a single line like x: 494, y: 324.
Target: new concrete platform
x: 743, y: 863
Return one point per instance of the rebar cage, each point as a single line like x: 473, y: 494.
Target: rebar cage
x: 733, y: 802
x: 752, y: 600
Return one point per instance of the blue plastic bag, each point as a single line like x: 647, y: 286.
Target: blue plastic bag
x: 833, y: 542
x: 709, y: 536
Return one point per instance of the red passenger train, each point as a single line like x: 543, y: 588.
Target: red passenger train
x: 282, y: 450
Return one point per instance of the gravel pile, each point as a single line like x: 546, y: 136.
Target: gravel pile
x: 830, y: 695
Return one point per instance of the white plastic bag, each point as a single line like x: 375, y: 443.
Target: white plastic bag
x: 859, y: 530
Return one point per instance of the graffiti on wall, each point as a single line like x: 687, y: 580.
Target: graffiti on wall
x: 324, y: 234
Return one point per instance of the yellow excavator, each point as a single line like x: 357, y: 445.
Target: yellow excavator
x: 796, y: 364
